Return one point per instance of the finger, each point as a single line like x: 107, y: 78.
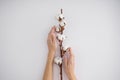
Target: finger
x: 71, y: 58
x: 52, y: 30
x: 49, y: 38
x: 49, y: 41
x: 52, y: 33
x: 70, y: 51
x: 53, y: 38
x: 65, y: 61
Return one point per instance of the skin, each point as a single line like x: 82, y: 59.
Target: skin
x: 68, y: 61
x: 69, y: 64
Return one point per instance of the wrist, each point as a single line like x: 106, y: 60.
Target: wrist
x: 51, y: 51
x: 50, y: 59
x: 50, y: 56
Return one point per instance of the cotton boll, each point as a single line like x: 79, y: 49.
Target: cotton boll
x: 62, y: 23
x: 65, y: 22
x: 58, y: 60
x: 57, y: 29
x: 64, y: 37
x: 61, y: 16
x: 65, y: 47
x: 61, y: 37
x: 57, y: 17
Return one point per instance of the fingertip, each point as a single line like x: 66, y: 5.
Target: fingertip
x: 54, y: 26
x: 70, y: 49
x: 71, y: 52
x: 52, y: 29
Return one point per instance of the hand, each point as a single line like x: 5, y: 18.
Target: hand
x: 69, y: 64
x: 51, y: 41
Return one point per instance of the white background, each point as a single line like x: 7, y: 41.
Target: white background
x: 93, y: 29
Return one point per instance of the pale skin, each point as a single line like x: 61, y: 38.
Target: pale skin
x: 68, y: 61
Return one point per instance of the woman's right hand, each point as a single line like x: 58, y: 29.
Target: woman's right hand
x: 69, y: 65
